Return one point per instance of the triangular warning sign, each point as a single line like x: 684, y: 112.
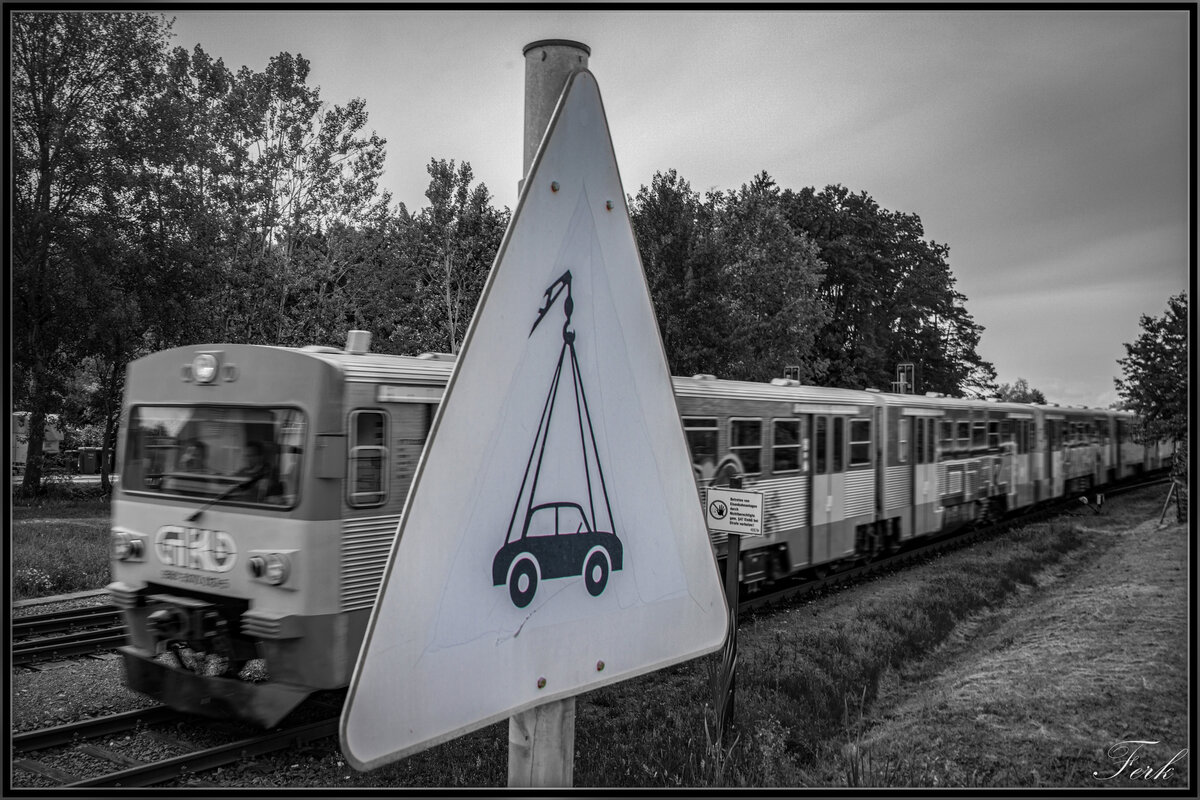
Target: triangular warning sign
x: 553, y: 540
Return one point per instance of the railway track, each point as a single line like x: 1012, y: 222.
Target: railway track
x: 62, y: 634
x: 36, y: 751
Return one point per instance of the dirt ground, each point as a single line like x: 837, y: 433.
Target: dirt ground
x: 1080, y: 682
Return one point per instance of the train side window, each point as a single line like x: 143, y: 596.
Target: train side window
x: 947, y: 437
x: 860, y: 442
x: 993, y: 434
x: 964, y: 435
x: 979, y: 434
x: 839, y: 443
x: 902, y: 439
x: 930, y: 443
x: 745, y: 441
x: 368, y: 458
x: 822, y: 449
x: 701, y: 433
x: 785, y: 445
x: 919, y: 447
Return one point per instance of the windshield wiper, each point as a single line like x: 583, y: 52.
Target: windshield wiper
x: 195, y: 515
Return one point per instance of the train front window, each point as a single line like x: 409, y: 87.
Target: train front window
x: 239, y: 454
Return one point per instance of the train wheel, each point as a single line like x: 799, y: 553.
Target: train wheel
x: 595, y: 573
x: 522, y: 582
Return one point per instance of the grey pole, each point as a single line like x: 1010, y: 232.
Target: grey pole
x: 548, y: 64
x: 541, y: 741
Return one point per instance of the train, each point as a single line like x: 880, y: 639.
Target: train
x: 18, y: 439
x: 260, y: 490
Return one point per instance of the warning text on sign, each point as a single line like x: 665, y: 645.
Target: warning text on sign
x: 734, y: 511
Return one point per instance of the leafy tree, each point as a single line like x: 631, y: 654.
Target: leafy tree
x: 451, y: 244
x: 772, y: 275
x: 75, y: 77
x: 735, y: 289
x: 675, y: 237
x: 1155, y: 370
x: 1155, y: 386
x: 891, y: 296
x: 1019, y: 392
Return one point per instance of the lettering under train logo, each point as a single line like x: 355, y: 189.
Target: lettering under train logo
x: 571, y: 532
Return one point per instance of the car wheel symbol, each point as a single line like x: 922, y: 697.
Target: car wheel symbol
x: 522, y: 582
x: 595, y: 573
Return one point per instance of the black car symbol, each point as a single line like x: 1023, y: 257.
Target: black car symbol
x: 556, y: 542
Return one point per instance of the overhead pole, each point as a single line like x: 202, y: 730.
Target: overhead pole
x: 541, y: 741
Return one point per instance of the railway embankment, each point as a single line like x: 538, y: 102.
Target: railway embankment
x: 1025, y: 660
x: 1079, y: 680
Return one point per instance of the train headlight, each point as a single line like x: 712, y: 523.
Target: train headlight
x: 277, y: 569
x: 204, y: 367
x: 126, y: 547
x: 274, y: 568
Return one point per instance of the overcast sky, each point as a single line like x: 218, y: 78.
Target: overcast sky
x: 1050, y: 150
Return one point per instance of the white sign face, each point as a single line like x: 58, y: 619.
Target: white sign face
x: 734, y: 511
x: 553, y: 541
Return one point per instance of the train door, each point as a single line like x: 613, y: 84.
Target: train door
x: 925, y: 488
x: 823, y: 480
x: 1021, y: 471
x: 1054, y: 455
x: 828, y: 488
x: 1008, y: 459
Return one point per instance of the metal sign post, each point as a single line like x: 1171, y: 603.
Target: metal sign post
x: 736, y: 513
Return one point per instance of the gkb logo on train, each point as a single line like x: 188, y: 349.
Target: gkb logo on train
x: 195, y: 548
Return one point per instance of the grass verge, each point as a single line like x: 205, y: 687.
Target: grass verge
x: 802, y: 680
x: 59, y: 545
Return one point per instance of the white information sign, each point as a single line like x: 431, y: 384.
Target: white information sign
x: 734, y: 511
x: 552, y: 541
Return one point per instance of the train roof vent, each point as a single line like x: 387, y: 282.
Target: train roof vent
x: 358, y: 342
x: 934, y: 394
x: 784, y: 382
x: 318, y: 348
x: 704, y: 376
x: 438, y: 356
x: 871, y: 389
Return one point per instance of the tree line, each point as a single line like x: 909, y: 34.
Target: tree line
x: 161, y: 199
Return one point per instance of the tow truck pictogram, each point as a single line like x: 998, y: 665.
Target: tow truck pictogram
x: 564, y: 537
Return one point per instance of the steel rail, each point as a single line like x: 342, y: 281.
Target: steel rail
x: 57, y: 621
x: 28, y: 741
x: 70, y: 644
x: 211, y: 757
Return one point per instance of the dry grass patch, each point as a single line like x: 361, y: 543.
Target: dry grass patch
x: 1038, y: 694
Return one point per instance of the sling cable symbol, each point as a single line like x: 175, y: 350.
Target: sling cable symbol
x: 561, y: 538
